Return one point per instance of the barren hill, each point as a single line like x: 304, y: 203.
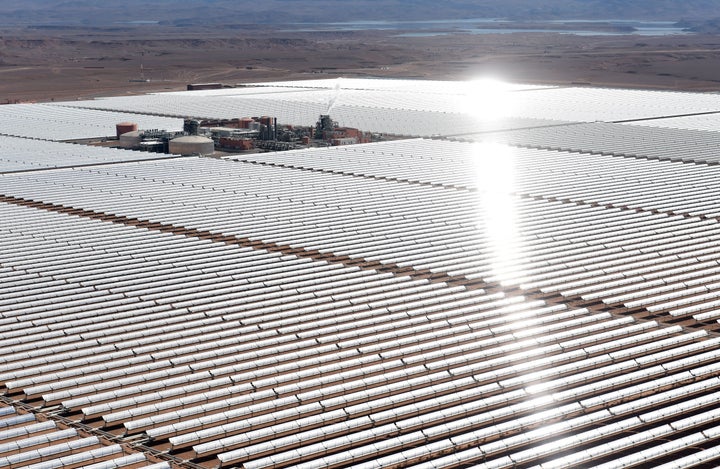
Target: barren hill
x: 91, y: 13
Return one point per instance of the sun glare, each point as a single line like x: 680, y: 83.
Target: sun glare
x: 494, y: 169
x: 486, y: 99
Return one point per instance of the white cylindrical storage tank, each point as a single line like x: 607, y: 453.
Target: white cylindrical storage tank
x: 191, y: 145
x: 130, y: 139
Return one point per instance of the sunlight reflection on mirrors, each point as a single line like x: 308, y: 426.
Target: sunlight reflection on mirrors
x: 486, y: 99
x: 539, y: 388
x: 542, y: 401
x: 494, y: 170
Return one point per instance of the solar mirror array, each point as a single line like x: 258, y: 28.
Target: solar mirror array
x: 529, y: 281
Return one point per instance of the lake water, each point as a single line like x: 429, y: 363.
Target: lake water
x: 499, y: 26
x: 138, y: 22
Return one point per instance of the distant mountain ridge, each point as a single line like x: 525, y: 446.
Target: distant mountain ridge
x: 228, y: 12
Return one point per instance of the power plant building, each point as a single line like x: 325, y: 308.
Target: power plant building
x: 532, y: 280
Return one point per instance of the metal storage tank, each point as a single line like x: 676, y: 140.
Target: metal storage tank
x: 130, y: 139
x: 191, y: 126
x: 192, y: 145
x: 125, y: 127
x: 245, y: 122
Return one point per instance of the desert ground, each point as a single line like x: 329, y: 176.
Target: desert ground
x: 67, y: 64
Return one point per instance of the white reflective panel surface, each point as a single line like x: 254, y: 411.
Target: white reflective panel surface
x: 409, y: 302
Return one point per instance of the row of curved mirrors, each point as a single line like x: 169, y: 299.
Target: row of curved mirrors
x: 537, y: 285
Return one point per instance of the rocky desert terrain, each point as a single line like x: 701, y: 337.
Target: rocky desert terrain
x: 52, y: 50
x: 67, y: 65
